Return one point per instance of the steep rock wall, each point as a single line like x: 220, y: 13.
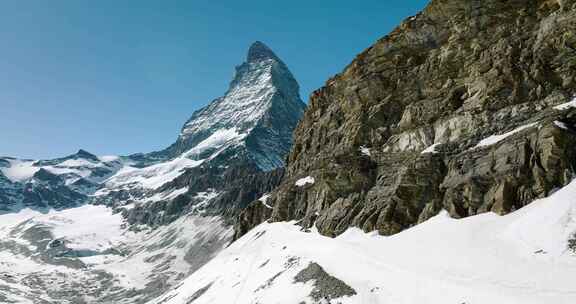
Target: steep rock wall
x: 404, y: 130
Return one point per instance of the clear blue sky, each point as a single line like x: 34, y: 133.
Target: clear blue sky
x: 118, y: 77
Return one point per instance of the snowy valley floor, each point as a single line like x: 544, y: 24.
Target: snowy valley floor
x: 86, y: 255
x: 518, y: 258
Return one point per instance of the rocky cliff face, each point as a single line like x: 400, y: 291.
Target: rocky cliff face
x: 228, y: 153
x: 463, y: 107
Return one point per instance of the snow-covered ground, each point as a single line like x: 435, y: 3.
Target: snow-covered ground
x: 364, y: 150
x: 86, y: 253
x: 519, y: 258
x: 264, y: 200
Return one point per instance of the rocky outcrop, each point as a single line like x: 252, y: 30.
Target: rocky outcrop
x: 234, y: 188
x: 455, y: 109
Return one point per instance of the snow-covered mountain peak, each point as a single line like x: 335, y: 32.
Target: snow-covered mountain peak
x: 262, y: 98
x: 259, y: 51
x: 249, y: 96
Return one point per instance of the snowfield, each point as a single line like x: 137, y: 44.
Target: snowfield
x: 522, y: 257
x: 19, y: 170
x: 87, y: 252
x: 155, y: 176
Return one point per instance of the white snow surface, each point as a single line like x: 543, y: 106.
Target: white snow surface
x: 109, y: 158
x: 245, y: 102
x: 151, y: 177
x: 494, y: 139
x: 147, y: 255
x: 519, y: 258
x: 77, y: 226
x: 305, y: 180
x: 154, y: 176
x: 264, y: 200
x: 167, y: 195
x: 566, y: 106
x: 19, y: 170
x: 561, y: 125
x: 431, y: 149
x: 219, y: 139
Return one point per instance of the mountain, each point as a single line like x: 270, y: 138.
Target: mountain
x: 125, y: 229
x: 261, y: 106
x: 438, y: 167
x: 58, y: 183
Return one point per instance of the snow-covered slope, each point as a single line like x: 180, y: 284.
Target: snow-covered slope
x: 87, y: 255
x: 156, y: 175
x: 523, y: 257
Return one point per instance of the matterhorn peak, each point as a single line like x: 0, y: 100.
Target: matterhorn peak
x: 262, y: 105
x: 259, y: 51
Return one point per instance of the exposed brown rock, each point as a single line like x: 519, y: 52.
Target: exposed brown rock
x: 455, y: 74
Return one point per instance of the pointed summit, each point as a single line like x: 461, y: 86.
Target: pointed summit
x: 260, y: 109
x: 259, y: 51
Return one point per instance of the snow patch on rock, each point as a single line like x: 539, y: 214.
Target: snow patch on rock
x: 99, y: 254
x: 561, y: 125
x: 364, y: 150
x: 494, y: 139
x: 19, y: 170
x: 566, y: 106
x: 431, y: 149
x: 304, y: 181
x: 264, y: 200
